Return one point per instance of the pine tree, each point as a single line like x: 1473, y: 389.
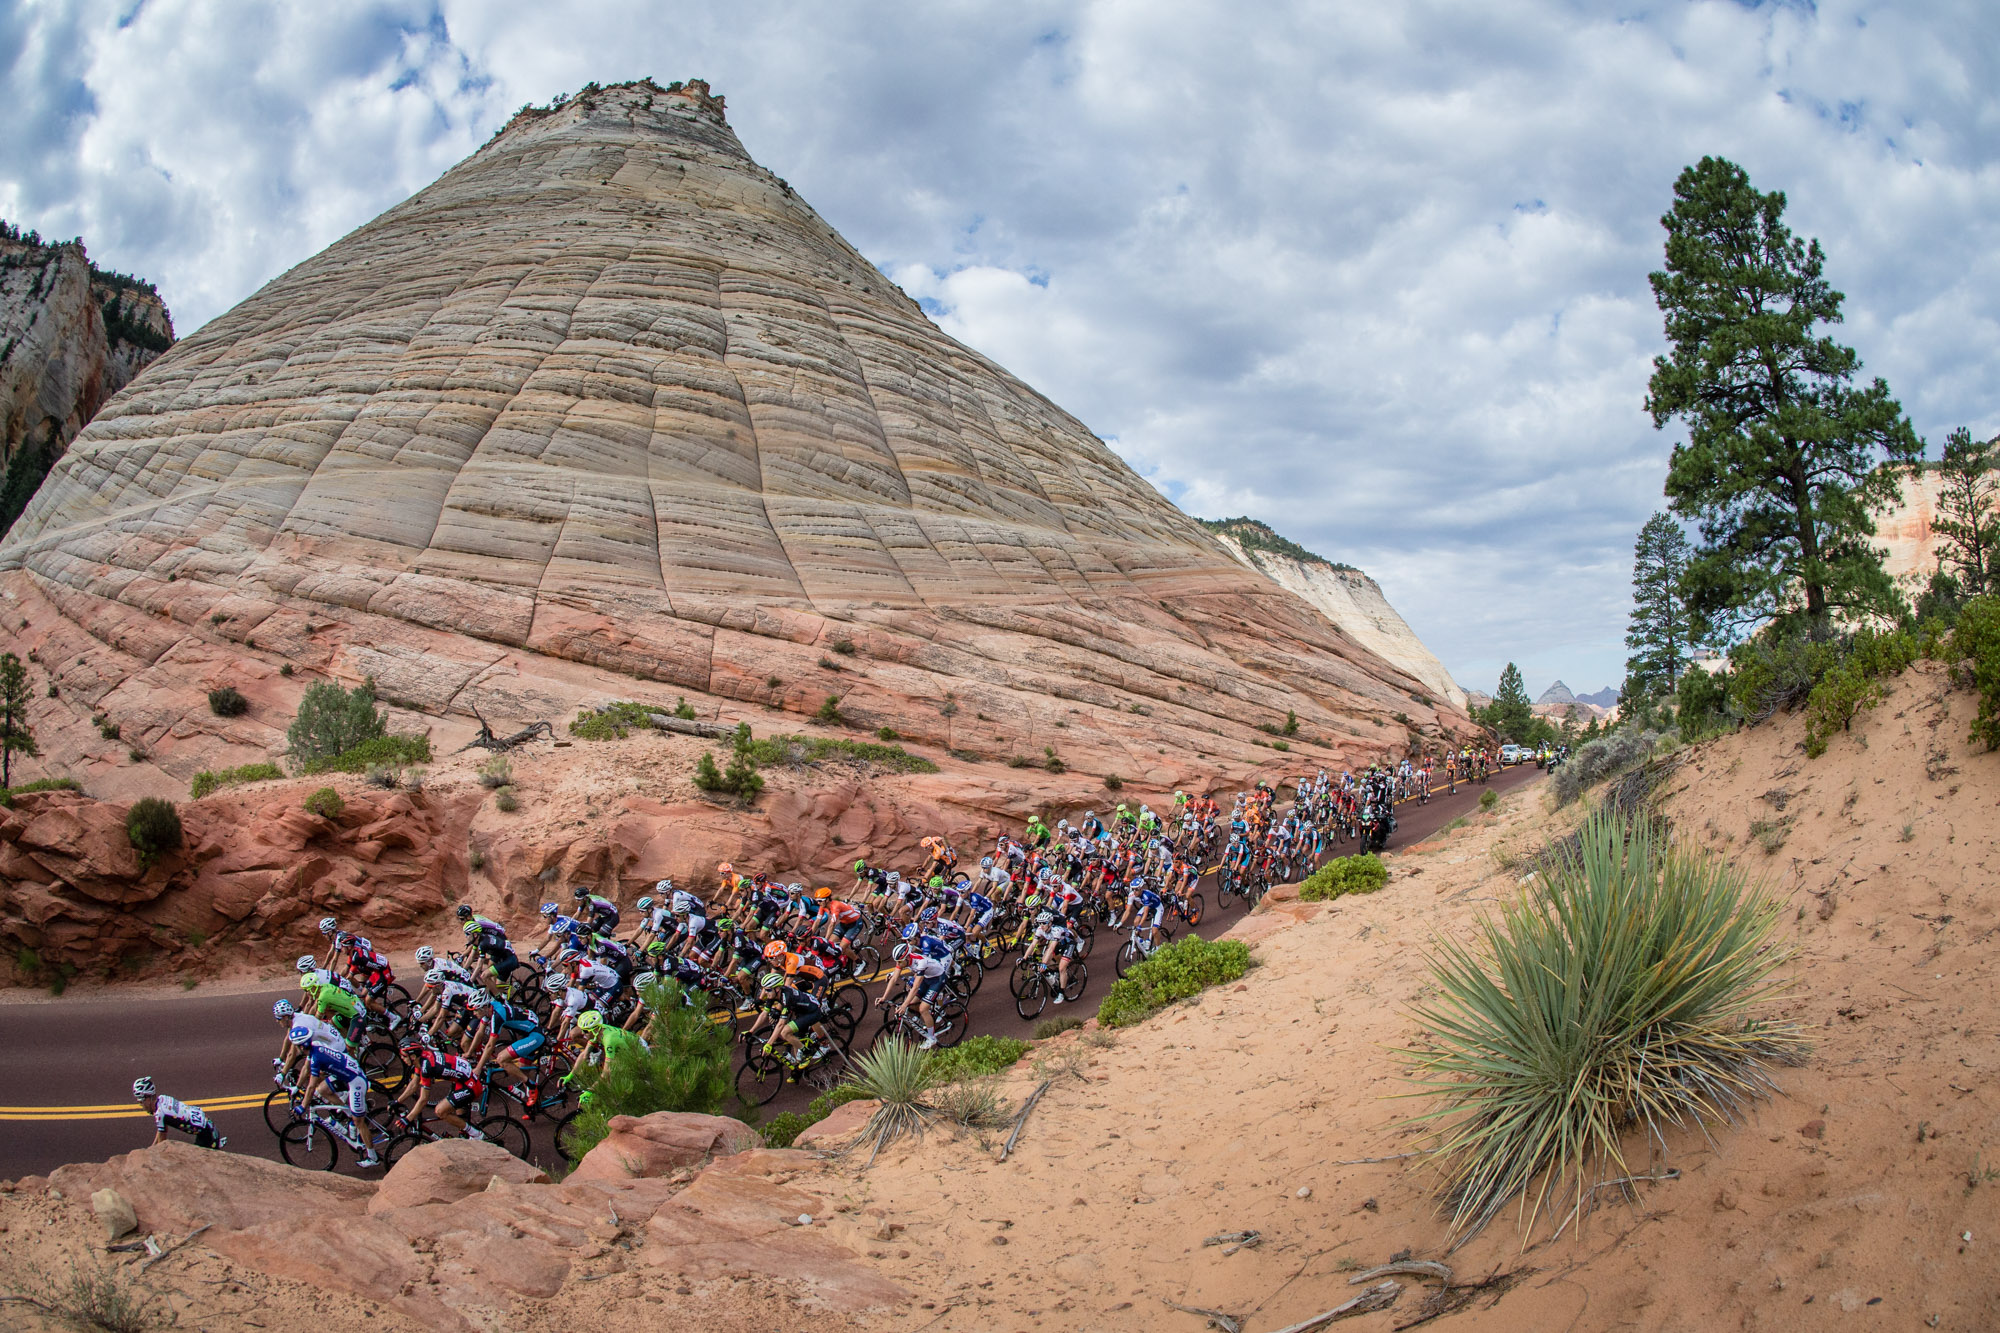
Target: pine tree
x: 1660, y: 630
x: 1966, y: 518
x: 331, y: 721
x: 15, y: 735
x: 1781, y: 468
x: 1510, y: 714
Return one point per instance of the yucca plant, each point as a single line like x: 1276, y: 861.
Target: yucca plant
x: 897, y: 1074
x: 1616, y: 992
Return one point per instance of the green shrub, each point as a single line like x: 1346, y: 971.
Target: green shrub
x: 845, y: 647
x: 1291, y: 727
x: 1975, y: 640
x: 1488, y: 799
x: 1606, y: 757
x: 1186, y: 967
x: 685, y: 1069
x: 1281, y: 745
x: 325, y: 803
x: 741, y: 777
x: 683, y: 709
x: 886, y: 734
x: 381, y: 750
x: 1344, y: 875
x: 7, y: 794
x: 897, y: 1074
x: 975, y: 1057
x: 1055, y: 1027
x: 227, y: 702
x: 785, y: 1128
x: 1617, y: 991
x: 505, y: 801
x: 829, y: 712
x: 153, y: 827
x: 496, y: 773
x: 107, y: 729
x: 1855, y: 682
x: 1112, y: 782
x: 1775, y: 670
x: 1701, y: 705
x: 206, y: 782
x: 285, y: 669
x: 795, y: 751
x: 614, y: 721
x: 333, y: 722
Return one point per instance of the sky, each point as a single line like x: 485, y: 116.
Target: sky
x: 1373, y: 273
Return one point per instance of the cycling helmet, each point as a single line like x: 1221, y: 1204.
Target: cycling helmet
x: 861, y: 867
x: 327, y: 925
x: 930, y: 914
x: 579, y: 893
x: 657, y: 949
x: 664, y: 886
x: 1138, y: 882
x: 550, y: 909
x: 479, y: 1000
x: 725, y: 923
x: 415, y: 1040
x: 1045, y: 918
x: 567, y: 955
x: 895, y: 877
x: 724, y: 868
x: 910, y: 931
x: 937, y: 882
x: 590, y: 1021
x: 142, y: 1088
x: 282, y: 1009
x: 342, y: 939
x: 770, y: 981
x: 306, y: 963
x: 822, y: 893
x: 437, y: 976
x: 644, y: 904
x: 464, y: 912
x: 299, y: 1035
x: 985, y: 863
x: 775, y: 949
x: 471, y: 929
x: 425, y: 956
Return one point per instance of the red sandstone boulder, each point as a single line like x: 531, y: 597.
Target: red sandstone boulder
x: 448, y: 1170
x: 178, y: 1187
x: 846, y: 1121
x: 653, y: 1145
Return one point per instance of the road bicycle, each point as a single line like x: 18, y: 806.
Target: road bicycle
x: 1044, y: 982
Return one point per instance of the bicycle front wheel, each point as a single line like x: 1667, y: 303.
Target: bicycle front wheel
x: 1031, y: 1001
x: 761, y: 1078
x: 278, y: 1109
x: 1129, y: 957
x: 1195, y: 909
x: 508, y: 1132
x: 309, y: 1145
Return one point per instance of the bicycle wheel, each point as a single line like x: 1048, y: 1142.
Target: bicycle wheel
x: 508, y: 1132
x: 1196, y: 907
x: 761, y: 1078
x: 892, y: 1030
x: 1223, y: 885
x: 1079, y: 981
x: 554, y: 1098
x: 279, y: 1109
x: 951, y: 1025
x: 1024, y: 972
x: 1088, y: 936
x: 565, y: 1138
x: 975, y: 972
x: 383, y: 1064
x: 309, y: 1145
x: 396, y: 1000
x: 1030, y: 1003
x: 846, y: 1007
x: 394, y: 1149
x: 1129, y: 956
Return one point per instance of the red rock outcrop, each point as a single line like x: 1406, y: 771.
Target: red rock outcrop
x: 607, y: 411
x: 458, y: 1234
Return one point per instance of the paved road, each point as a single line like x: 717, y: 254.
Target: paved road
x: 66, y: 1068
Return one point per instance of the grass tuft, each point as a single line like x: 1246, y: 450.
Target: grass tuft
x: 897, y: 1074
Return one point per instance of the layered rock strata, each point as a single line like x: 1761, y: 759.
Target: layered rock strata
x: 71, y: 336
x: 609, y: 410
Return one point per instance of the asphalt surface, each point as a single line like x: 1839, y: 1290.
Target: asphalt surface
x: 66, y: 1068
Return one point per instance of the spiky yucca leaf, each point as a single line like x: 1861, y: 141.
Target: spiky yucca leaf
x: 1617, y: 991
x: 897, y: 1074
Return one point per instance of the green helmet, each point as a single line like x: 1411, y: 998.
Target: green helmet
x: 860, y: 867
x: 937, y: 881
x: 770, y: 981
x: 591, y: 1021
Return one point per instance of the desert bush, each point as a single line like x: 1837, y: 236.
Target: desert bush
x: 1112, y: 782
x: 794, y: 751
x: 285, y: 669
x: 227, y: 702
x: 1770, y: 834
x: 829, y: 712
x: 107, y: 729
x: 683, y: 709
x: 1618, y: 990
x: 1776, y: 670
x: 785, y: 1128
x: 1020, y: 761
x: 1605, y: 757
x: 95, y: 1300
x: 741, y: 777
x: 383, y: 775
x: 684, y: 1068
x: 496, y: 773
x: 886, y: 734
x: 395, y: 750
x: 975, y: 1057
x: 1291, y: 727
x: 1488, y: 799
x: 153, y: 827
x: 1186, y: 967
x: 1975, y: 641
x: 1055, y: 1027
x: 1855, y: 682
x: 332, y: 722
x: 1344, y: 875
x: 208, y: 782
x: 613, y: 721
x: 973, y: 1105
x: 845, y: 647
x: 505, y: 801
x: 325, y: 803
x: 1281, y: 745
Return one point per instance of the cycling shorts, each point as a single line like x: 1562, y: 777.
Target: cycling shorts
x: 928, y: 987
x: 462, y: 1095
x: 504, y: 961
x: 849, y: 931
x: 528, y: 1045
x: 985, y: 918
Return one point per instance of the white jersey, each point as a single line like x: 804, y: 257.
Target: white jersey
x: 170, y: 1114
x: 317, y: 1032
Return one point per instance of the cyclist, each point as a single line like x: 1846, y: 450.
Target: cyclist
x: 368, y: 972
x: 339, y: 1073
x: 1145, y: 908
x: 328, y: 995
x: 513, y: 1034
x: 1060, y: 944
x: 796, y: 1013
x: 319, y: 1032
x: 601, y: 912
x: 601, y: 1036
x: 170, y: 1114
x: 429, y: 1065
x: 489, y: 939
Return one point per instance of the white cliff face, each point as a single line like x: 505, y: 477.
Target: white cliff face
x: 1355, y: 604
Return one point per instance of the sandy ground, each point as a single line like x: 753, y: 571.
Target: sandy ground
x: 1860, y: 1199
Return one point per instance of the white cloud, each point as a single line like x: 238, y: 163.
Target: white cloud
x: 1375, y: 273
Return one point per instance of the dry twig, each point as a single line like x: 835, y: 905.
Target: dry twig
x: 1378, y: 1297
x: 175, y: 1246
x: 1228, y: 1323
x: 1408, y: 1267
x: 1022, y: 1119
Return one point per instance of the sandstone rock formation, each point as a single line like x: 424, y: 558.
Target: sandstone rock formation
x: 1344, y: 595
x: 71, y: 336
x: 460, y: 1237
x: 608, y: 411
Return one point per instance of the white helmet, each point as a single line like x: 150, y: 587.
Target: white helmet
x: 307, y: 963
x: 664, y: 886
x: 437, y: 976
x: 142, y: 1087
x: 327, y: 925
x: 425, y: 956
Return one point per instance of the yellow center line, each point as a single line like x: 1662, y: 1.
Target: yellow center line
x: 125, y: 1110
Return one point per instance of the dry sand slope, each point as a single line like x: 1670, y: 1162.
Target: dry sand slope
x: 1842, y: 1205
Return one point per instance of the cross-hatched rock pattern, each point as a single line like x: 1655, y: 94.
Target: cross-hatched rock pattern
x: 609, y: 394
